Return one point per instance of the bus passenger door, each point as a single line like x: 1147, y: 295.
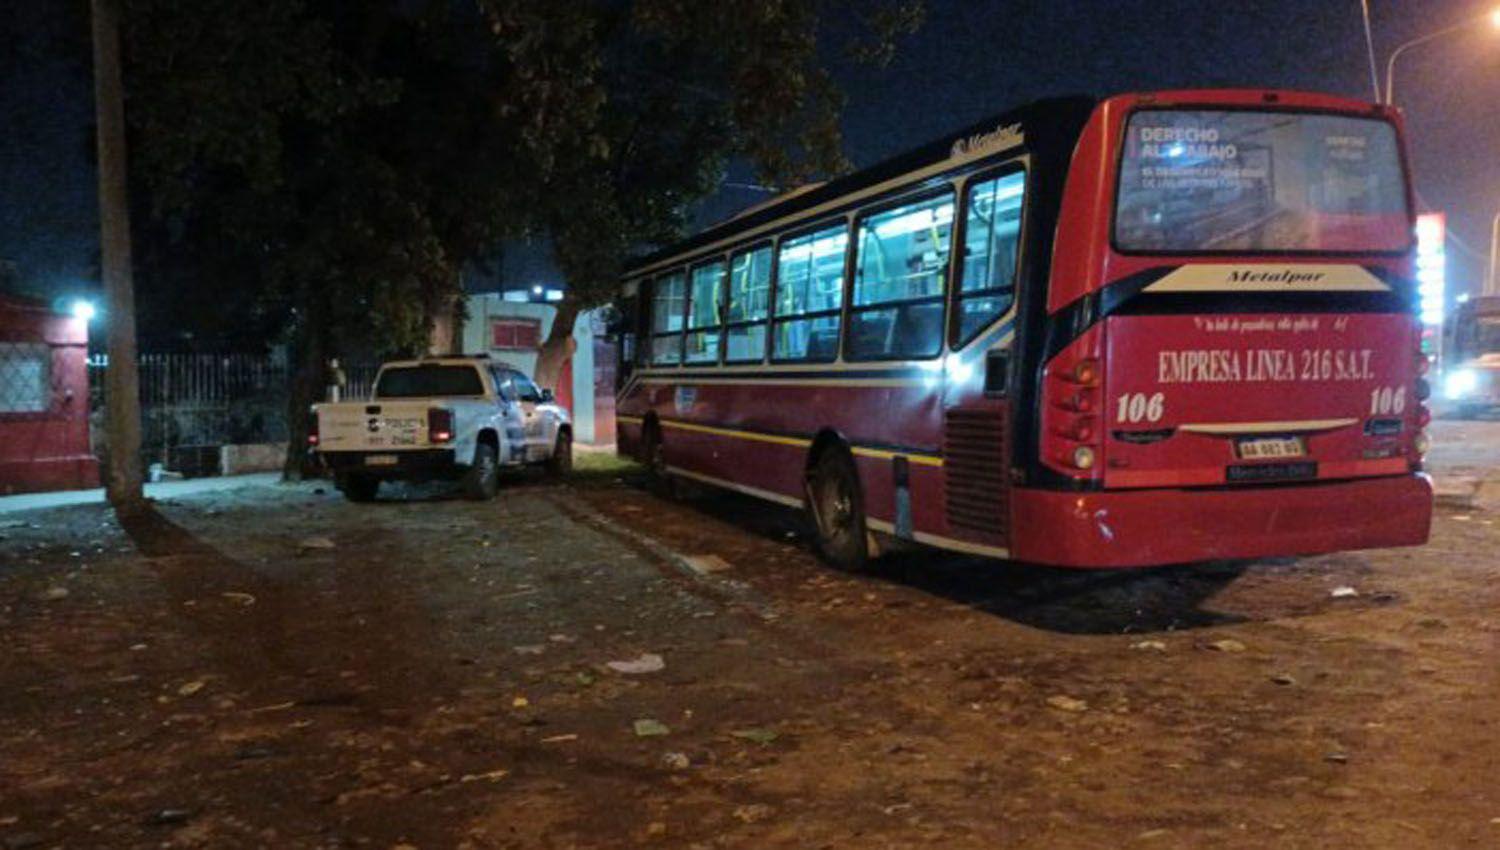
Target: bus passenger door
x: 977, y: 392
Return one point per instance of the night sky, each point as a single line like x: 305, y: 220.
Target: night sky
x: 972, y: 59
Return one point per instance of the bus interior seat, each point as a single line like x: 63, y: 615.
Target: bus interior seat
x: 823, y: 344
x: 919, y: 328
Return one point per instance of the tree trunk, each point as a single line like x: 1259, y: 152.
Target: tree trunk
x: 558, y: 346
x: 122, y: 414
x: 306, y: 387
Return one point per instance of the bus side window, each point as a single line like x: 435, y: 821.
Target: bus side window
x: 666, y: 319
x: 897, y: 308
x: 809, y: 295
x: 992, y: 240
x: 748, y: 305
x: 704, y: 298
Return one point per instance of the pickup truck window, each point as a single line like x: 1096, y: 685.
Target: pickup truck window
x: 429, y: 382
x: 527, y: 389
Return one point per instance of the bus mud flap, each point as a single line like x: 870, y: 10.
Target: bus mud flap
x: 901, y: 475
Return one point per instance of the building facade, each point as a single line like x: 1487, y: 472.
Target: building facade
x: 44, y: 400
x: 513, y: 331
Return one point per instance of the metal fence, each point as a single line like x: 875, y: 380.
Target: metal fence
x: 191, y: 404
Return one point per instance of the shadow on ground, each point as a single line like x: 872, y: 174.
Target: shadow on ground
x: 287, y: 624
x: 1060, y: 600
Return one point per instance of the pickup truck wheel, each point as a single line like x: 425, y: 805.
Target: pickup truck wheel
x: 482, y: 481
x: 561, y: 462
x: 358, y: 488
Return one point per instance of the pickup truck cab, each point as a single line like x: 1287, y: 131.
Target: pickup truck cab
x: 456, y: 418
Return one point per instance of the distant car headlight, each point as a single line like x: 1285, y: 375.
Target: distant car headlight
x: 1461, y: 383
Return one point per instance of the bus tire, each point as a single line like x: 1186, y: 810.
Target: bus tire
x: 837, y: 510
x: 653, y: 457
x: 358, y: 488
x: 482, y: 481
x: 561, y: 462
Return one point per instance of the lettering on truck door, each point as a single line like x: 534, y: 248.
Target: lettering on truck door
x: 513, y: 440
x: 534, y: 417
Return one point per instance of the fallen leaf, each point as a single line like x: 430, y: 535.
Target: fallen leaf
x: 758, y: 735
x: 646, y: 662
x: 191, y: 688
x: 1067, y: 703
x: 492, y: 776
x: 753, y: 812
x: 647, y: 727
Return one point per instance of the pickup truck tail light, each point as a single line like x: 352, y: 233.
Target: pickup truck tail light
x: 312, y: 429
x: 439, y: 425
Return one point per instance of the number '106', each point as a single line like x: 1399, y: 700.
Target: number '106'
x: 1387, y: 400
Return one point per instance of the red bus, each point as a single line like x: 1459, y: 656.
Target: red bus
x: 1150, y: 329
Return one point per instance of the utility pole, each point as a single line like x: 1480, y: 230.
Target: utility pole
x: 122, y: 412
x: 1370, y: 49
x: 1492, y: 284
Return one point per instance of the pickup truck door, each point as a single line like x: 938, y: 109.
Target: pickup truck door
x: 513, y: 442
x: 540, y: 425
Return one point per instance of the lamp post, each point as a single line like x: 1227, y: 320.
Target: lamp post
x: 1492, y: 287
x: 1390, y: 66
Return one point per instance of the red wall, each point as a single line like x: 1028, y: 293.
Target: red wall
x: 48, y: 450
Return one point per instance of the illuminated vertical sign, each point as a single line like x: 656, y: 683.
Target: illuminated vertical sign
x: 1432, y: 276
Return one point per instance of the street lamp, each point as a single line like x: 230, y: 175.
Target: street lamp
x: 1493, y: 286
x: 1390, y: 66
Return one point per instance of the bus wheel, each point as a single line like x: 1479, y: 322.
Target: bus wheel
x: 838, y: 511
x: 561, y: 462
x: 653, y: 455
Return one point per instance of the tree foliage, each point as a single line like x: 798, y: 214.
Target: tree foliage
x: 328, y: 167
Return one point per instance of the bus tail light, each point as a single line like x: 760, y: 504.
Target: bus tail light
x: 1082, y: 430
x: 312, y: 430
x: 439, y: 425
x: 1083, y: 458
x: 1071, y: 384
x: 1079, y: 402
x: 1421, y: 443
x: 1086, y: 372
x: 1423, y: 363
x: 1424, y: 416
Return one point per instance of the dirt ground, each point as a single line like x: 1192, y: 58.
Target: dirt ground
x: 275, y: 667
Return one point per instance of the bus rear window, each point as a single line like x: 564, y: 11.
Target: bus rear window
x: 1254, y: 181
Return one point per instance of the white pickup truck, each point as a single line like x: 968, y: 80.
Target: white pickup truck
x: 457, y: 418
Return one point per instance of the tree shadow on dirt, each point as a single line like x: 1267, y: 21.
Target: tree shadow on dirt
x: 299, y: 631
x: 1061, y: 600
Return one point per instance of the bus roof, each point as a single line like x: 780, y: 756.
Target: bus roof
x: 1057, y: 120
x: 1034, y: 118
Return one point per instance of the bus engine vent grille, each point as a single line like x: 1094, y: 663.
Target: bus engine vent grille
x: 974, y: 463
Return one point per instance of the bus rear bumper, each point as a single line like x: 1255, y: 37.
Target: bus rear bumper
x: 1139, y: 528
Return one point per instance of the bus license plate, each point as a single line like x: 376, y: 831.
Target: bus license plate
x: 380, y: 460
x: 1270, y: 448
